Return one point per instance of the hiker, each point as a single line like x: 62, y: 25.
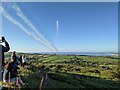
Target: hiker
x: 44, y: 76
x: 9, y: 67
x: 6, y: 68
x: 10, y: 73
x: 13, y: 67
x: 20, y: 59
x: 14, y: 60
x: 23, y: 60
x: 14, y: 57
x: 3, y: 48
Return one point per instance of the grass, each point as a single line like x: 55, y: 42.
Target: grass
x: 71, y: 71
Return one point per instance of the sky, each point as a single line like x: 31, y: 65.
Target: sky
x: 76, y: 27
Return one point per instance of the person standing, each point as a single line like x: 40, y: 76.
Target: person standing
x: 23, y: 60
x: 3, y: 49
x: 20, y: 59
x: 14, y: 57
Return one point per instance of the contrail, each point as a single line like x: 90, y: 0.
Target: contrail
x: 28, y: 22
x: 57, y: 27
x: 14, y: 21
x: 7, y: 16
x: 52, y: 43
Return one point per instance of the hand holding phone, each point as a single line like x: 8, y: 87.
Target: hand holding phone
x: 3, y: 39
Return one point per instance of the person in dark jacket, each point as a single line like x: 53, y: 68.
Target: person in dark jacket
x: 10, y: 67
x: 3, y: 49
x: 20, y: 59
x: 14, y: 57
x: 10, y: 72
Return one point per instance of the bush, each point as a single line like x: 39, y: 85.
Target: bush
x: 109, y: 74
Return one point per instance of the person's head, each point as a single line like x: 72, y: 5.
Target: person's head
x: 13, y: 53
x: 2, y: 39
x: 20, y: 56
x: 23, y: 55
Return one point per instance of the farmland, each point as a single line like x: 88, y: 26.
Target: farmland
x: 70, y: 71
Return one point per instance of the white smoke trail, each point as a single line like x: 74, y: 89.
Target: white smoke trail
x: 11, y: 19
x: 28, y: 22
x: 7, y: 16
x: 57, y: 27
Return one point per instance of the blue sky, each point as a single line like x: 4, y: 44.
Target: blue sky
x: 84, y: 27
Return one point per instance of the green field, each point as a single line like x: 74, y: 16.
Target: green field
x: 71, y: 71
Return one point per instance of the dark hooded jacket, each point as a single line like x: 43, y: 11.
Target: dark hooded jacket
x: 2, y: 50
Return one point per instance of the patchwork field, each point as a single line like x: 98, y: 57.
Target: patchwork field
x: 70, y: 71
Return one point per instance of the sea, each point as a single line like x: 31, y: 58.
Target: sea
x: 77, y: 53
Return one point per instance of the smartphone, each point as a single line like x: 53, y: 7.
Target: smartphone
x: 3, y: 39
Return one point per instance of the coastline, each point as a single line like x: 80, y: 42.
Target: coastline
x: 78, y: 53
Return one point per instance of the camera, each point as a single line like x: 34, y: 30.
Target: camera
x: 2, y: 40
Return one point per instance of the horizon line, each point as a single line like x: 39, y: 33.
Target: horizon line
x: 64, y: 51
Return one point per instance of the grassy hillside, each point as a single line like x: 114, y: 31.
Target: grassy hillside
x: 71, y: 71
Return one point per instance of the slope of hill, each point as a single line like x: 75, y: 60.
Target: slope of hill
x: 71, y: 71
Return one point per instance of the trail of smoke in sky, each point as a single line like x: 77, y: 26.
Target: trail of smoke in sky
x: 28, y: 22
x: 57, y: 27
x: 49, y: 39
x: 14, y: 21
